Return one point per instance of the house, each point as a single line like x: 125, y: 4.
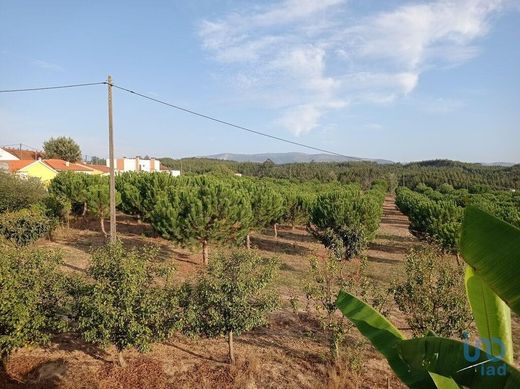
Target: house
x: 60, y: 165
x: 98, y: 169
x: 23, y: 154
x: 31, y: 168
x: 47, y: 169
x: 136, y: 165
x: 5, y: 155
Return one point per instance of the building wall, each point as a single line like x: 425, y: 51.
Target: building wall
x: 7, y: 156
x: 38, y: 170
x: 137, y: 165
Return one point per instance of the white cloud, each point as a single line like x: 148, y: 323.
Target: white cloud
x: 47, y: 65
x: 313, y: 56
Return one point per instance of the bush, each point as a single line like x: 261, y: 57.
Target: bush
x: 122, y: 306
x: 32, y: 297
x: 25, y: 226
x: 232, y: 296
x: 17, y: 193
x: 432, y: 297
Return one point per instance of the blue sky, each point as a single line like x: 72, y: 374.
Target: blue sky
x: 397, y: 80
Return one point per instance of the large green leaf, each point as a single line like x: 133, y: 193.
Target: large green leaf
x: 384, y: 336
x: 491, y: 314
x: 492, y: 248
x: 446, y: 357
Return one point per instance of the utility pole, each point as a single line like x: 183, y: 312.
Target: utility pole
x: 112, y: 171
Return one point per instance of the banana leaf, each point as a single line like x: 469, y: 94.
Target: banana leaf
x: 491, y: 314
x: 492, y: 248
x: 385, y: 338
x: 447, y: 357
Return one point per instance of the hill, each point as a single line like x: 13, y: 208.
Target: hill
x: 281, y: 158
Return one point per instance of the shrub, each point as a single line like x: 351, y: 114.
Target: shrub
x: 17, y: 193
x: 121, y: 306
x: 432, y: 297
x: 25, y: 226
x: 32, y: 297
x: 233, y: 295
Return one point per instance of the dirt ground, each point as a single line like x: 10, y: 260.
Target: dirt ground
x: 291, y: 352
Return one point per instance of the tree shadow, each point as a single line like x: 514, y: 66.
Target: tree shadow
x: 394, y: 249
x: 71, y: 342
x: 278, y: 246
x: 193, y: 353
x: 374, y: 259
x: 289, y: 235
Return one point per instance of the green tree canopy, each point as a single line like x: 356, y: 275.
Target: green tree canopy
x: 62, y: 148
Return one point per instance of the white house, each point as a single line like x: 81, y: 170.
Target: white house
x: 7, y: 156
x: 136, y: 165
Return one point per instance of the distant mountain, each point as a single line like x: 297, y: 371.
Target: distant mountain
x: 281, y: 158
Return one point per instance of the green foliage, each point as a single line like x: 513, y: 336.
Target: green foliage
x: 32, y: 296
x: 203, y: 210
x: 384, y: 336
x: 232, y: 295
x: 17, y: 193
x: 346, y: 220
x: 73, y: 186
x: 62, y: 148
x: 267, y: 205
x: 432, y: 296
x: 323, y: 282
x: 121, y: 305
x: 25, y: 226
x: 446, y: 357
x: 57, y: 207
x: 491, y: 247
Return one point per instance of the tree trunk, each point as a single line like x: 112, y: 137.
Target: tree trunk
x: 248, y: 242
x: 102, y: 222
x: 275, y: 227
x: 84, y: 209
x: 121, y: 359
x: 231, y: 350
x: 205, y: 252
x: 458, y: 258
x: 67, y: 219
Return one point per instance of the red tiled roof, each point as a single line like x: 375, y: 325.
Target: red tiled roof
x: 14, y: 166
x: 101, y: 168
x: 61, y: 165
x: 24, y: 154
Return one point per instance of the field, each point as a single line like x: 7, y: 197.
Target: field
x: 325, y: 237
x: 290, y: 352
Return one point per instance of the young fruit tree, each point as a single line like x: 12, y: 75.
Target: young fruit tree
x: 122, y: 306
x: 202, y: 211
x: 98, y: 201
x: 232, y: 296
x: 31, y: 297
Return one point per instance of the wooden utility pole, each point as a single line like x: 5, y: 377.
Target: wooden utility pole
x: 112, y: 167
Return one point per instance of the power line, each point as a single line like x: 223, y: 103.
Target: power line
x: 226, y: 122
x: 212, y: 118
x: 52, y: 87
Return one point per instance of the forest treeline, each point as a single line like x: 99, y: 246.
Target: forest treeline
x: 472, y: 176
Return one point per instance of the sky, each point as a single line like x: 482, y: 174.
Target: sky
x: 398, y: 80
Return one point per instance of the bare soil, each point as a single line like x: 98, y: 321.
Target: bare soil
x: 291, y: 352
